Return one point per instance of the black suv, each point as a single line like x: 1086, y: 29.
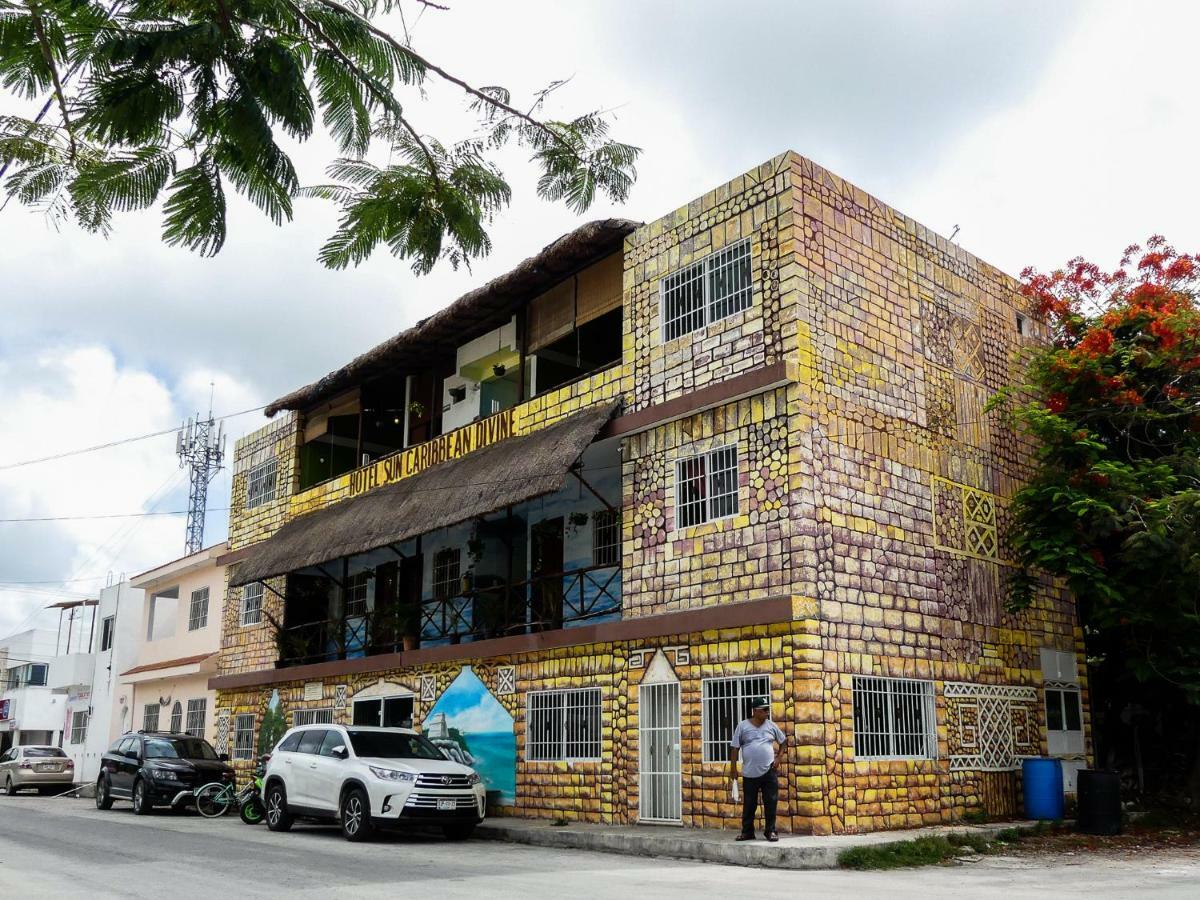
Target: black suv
x: 153, y: 769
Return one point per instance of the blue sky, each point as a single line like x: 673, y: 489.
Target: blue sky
x: 470, y: 707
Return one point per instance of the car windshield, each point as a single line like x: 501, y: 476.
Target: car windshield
x: 178, y: 748
x: 392, y: 745
x: 43, y: 751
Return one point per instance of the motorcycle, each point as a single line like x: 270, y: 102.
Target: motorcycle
x: 251, y: 807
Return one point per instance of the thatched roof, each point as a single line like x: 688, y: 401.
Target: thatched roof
x: 499, y: 475
x: 472, y: 314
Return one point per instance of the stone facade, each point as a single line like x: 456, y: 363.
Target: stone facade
x: 872, y: 491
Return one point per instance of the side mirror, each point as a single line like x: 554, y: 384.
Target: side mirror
x: 224, y: 757
x: 341, y: 752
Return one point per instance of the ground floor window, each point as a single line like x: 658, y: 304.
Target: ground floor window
x: 562, y: 725
x: 79, y: 724
x: 177, y: 718
x: 894, y: 718
x: 196, y: 711
x: 726, y: 702
x: 243, y: 736
x: 1063, y: 711
x: 390, y: 712
x: 313, y: 716
x: 150, y: 717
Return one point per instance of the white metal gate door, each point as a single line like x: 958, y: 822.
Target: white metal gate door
x: 660, y: 782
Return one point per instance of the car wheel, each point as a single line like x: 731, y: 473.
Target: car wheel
x: 356, y: 816
x: 141, y: 800
x: 278, y: 817
x: 104, y: 799
x: 458, y: 832
x: 9, y: 787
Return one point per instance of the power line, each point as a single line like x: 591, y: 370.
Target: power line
x: 88, y: 518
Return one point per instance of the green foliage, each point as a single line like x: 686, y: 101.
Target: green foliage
x: 922, y: 851
x: 177, y: 100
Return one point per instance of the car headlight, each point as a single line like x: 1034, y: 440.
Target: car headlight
x: 164, y: 775
x: 391, y: 774
x: 473, y: 778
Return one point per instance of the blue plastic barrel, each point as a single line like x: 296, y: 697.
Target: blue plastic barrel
x: 1042, y: 784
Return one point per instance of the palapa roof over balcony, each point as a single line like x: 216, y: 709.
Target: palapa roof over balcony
x: 471, y: 314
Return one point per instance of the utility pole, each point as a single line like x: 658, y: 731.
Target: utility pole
x: 200, y: 445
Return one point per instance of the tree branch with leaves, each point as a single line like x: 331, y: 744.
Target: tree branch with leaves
x: 180, y: 100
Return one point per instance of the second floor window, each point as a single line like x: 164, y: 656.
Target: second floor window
x: 447, y: 578
x: 606, y: 537
x: 708, y: 290
x: 198, y: 612
x: 356, y: 594
x: 79, y: 724
x: 108, y: 628
x: 706, y: 487
x: 260, y: 483
x: 252, y: 600
x: 31, y: 675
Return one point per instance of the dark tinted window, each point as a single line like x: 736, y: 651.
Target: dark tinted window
x: 178, y: 748
x: 127, y: 744
x: 392, y: 745
x: 291, y: 742
x: 311, y: 741
x: 332, y: 739
x: 43, y: 751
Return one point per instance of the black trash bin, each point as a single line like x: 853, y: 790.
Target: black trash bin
x: 1099, y: 799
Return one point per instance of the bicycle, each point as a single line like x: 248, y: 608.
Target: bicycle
x: 215, y: 799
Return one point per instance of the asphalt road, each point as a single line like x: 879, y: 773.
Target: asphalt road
x: 67, y: 848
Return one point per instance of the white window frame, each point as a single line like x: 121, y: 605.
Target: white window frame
x: 358, y: 592
x: 108, y: 631
x: 1062, y: 741
x: 197, y: 712
x: 701, y: 276
x: 177, y: 718
x: 709, y: 493
x: 79, y: 726
x: 920, y: 694
x: 253, y: 616
x: 717, y: 750
x: 150, y: 723
x: 243, y: 725
x: 198, y: 610
x: 447, y: 588
x: 321, y: 715
x: 606, y: 523
x: 555, y: 749
x: 262, y: 482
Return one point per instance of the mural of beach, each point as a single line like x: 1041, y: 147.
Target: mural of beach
x: 472, y: 727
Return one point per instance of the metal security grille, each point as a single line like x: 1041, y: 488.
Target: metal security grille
x: 243, y: 736
x: 150, y: 717
x: 177, y: 718
x: 706, y: 487
x: 606, y: 537
x: 706, y: 291
x: 356, y: 594
x: 322, y: 716
x: 252, y: 598
x: 729, y: 281
x: 562, y: 725
x: 660, y: 782
x: 894, y: 718
x: 79, y: 724
x: 726, y: 703
x: 197, y: 710
x: 683, y: 301
x: 447, y: 581
x: 260, y: 484
x: 198, y: 610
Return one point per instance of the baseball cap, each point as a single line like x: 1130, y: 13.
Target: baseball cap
x: 760, y: 703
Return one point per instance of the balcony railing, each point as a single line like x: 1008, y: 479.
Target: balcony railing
x: 543, y: 603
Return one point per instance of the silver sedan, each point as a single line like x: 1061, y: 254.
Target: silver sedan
x: 45, y: 768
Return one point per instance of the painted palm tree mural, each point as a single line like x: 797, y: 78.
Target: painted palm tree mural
x: 471, y: 726
x: 274, y: 724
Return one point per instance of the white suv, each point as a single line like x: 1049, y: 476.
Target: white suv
x: 366, y: 778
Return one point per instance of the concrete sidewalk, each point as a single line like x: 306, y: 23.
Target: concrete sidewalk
x: 791, y: 852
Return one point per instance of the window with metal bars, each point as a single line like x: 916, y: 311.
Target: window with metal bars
x: 562, y: 725
x: 894, y: 718
x: 243, y: 736
x: 252, y: 601
x: 447, y: 580
x: 198, y: 610
x: 260, y: 483
x: 726, y: 702
x: 79, y: 725
x: 706, y: 487
x: 606, y: 537
x: 323, y: 716
x: 177, y: 718
x: 150, y: 717
x: 706, y: 291
x: 197, y: 710
x: 356, y: 594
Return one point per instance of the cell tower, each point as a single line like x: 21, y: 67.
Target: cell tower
x: 200, y: 445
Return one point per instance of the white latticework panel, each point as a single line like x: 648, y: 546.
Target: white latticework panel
x: 993, y: 726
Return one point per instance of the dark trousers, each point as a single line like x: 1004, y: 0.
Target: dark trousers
x: 768, y: 784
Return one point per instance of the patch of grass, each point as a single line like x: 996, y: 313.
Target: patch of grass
x: 977, y: 842
x: 923, y: 851
x: 975, y: 817
x: 1009, y: 835
x: 559, y: 823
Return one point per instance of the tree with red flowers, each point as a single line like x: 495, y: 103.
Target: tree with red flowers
x: 1114, y: 505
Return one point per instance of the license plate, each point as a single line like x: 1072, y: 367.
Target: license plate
x: 46, y: 768
x: 447, y: 804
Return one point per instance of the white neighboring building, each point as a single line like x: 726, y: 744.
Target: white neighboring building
x: 115, y: 644
x: 30, y: 712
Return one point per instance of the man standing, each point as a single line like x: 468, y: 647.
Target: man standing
x: 757, y: 739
